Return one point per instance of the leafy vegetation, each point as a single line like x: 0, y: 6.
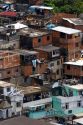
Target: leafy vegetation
x: 68, y: 6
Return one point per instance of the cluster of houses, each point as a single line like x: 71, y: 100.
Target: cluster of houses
x: 41, y: 62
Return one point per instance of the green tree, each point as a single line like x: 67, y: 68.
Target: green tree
x: 68, y: 6
x: 66, y: 9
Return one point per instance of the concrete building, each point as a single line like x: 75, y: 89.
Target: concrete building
x: 52, y: 56
x: 68, y: 100
x: 15, y: 98
x: 37, y: 99
x: 5, y: 109
x: 30, y: 38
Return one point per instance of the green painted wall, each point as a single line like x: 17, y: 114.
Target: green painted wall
x: 60, y: 112
x: 75, y: 92
x: 37, y: 115
x: 57, y: 106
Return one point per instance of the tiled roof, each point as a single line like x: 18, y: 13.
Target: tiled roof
x: 8, y: 13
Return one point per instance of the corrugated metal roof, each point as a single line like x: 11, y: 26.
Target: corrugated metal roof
x: 41, y: 7
x: 66, y: 30
x: 76, y: 63
x: 75, y: 21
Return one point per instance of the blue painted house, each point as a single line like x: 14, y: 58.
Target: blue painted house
x: 68, y: 100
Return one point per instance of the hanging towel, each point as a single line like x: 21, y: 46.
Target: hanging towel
x: 34, y: 62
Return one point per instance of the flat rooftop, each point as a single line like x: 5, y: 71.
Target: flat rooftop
x: 79, y: 120
x: 17, y: 26
x: 4, y: 84
x: 75, y: 21
x: 77, y: 87
x: 32, y: 89
x: 76, y: 63
x: 27, y: 52
x: 48, y: 48
x: 29, y: 32
x: 6, y: 53
x: 65, y: 30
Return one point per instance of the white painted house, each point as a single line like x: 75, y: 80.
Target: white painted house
x: 15, y: 97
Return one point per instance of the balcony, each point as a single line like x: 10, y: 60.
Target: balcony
x: 37, y: 103
x: 69, y: 99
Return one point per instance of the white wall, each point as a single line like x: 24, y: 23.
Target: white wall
x: 37, y: 102
x: 5, y: 90
x: 14, y: 100
x: 72, y: 101
x: 56, y: 67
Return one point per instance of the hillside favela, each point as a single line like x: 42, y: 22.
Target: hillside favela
x: 41, y: 62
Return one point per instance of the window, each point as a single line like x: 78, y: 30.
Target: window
x: 62, y: 35
x: 81, y: 92
x: 70, y: 111
x: 18, y: 104
x: 67, y: 105
x: 58, y: 62
x: 8, y: 89
x: 39, y: 40
x: 58, y: 72
x: 78, y: 103
x: 53, y: 53
x: 1, y: 90
x: 77, y: 44
x: 8, y: 72
x: 69, y: 36
x: 52, y: 64
x: 16, y: 70
x: 76, y: 55
x: 70, y: 92
x: 0, y: 74
x: 82, y: 68
x: 48, y: 37
x: 68, y: 67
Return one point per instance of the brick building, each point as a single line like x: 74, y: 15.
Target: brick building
x: 39, y: 16
x: 9, y: 65
x: 76, y: 23
x: 30, y: 38
x: 68, y: 40
x: 31, y: 64
x: 57, y: 18
x: 74, y: 69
